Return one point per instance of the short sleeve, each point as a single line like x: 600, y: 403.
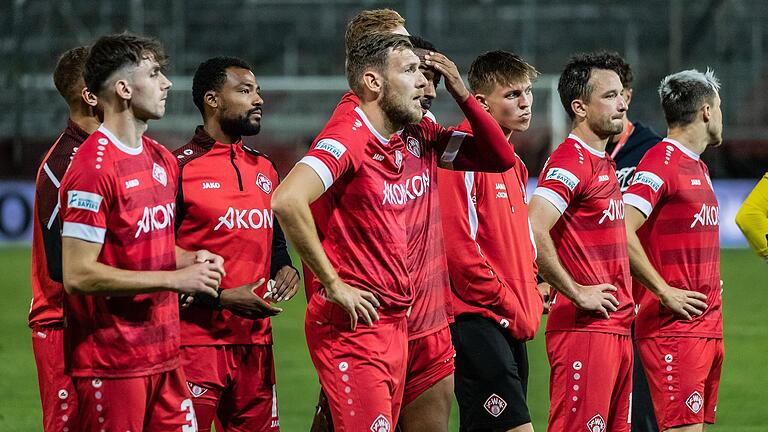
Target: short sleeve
x: 86, y: 195
x: 338, y: 150
x: 560, y: 179
x: 648, y: 186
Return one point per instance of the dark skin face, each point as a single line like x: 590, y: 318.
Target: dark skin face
x: 433, y: 80
x: 237, y: 105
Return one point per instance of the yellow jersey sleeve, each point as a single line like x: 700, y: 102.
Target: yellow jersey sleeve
x: 752, y: 218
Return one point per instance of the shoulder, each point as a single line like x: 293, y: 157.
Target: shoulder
x: 260, y: 158
x: 188, y: 152
x: 345, y: 132
x: 570, y: 155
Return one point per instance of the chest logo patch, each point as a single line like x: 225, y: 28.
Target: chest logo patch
x: 264, y: 183
x: 158, y: 173
x: 414, y: 147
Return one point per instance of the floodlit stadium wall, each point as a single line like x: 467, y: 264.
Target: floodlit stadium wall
x: 17, y: 197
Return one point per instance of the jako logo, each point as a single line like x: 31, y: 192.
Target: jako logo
x: 211, y: 185
x: 156, y: 218
x: 246, y: 219
x: 614, y: 211
x: 707, y: 216
x: 401, y: 193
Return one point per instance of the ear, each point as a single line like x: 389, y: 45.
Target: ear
x: 88, y: 97
x: 706, y: 112
x: 483, y: 101
x: 123, y: 89
x: 373, y: 81
x: 579, y: 108
x: 210, y: 99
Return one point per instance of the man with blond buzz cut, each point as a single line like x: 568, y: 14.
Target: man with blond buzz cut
x: 374, y: 20
x: 674, y: 249
x: 577, y: 216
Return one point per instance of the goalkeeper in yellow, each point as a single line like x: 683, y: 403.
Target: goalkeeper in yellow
x: 752, y: 218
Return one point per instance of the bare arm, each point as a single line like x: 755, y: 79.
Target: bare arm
x: 83, y: 274
x: 682, y: 302
x: 290, y: 203
x: 596, y: 298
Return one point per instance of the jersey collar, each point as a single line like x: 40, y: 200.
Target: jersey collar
x: 119, y: 144
x: 600, y: 154
x: 370, y: 127
x: 683, y: 148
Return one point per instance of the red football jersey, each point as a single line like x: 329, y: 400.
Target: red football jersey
x: 590, y: 236
x: 360, y: 217
x: 681, y: 238
x: 47, y: 290
x: 123, y: 198
x: 224, y: 206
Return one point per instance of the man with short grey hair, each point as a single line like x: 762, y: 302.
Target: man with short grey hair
x: 673, y: 236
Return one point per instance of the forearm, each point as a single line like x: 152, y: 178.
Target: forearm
x: 184, y: 258
x: 280, y: 256
x: 299, y: 227
x: 641, y: 267
x: 487, y: 149
x: 99, y: 279
x: 550, y: 267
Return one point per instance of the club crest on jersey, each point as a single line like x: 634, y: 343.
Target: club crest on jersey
x: 335, y: 148
x: 413, y: 146
x: 695, y: 402
x: 84, y: 200
x: 381, y: 424
x: 596, y: 424
x: 563, y: 176
x: 195, y: 390
x: 649, y: 179
x: 158, y: 173
x: 398, y: 158
x: 264, y: 183
x: 707, y: 216
x: 495, y: 405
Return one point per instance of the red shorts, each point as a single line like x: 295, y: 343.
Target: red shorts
x: 57, y: 390
x: 235, y: 383
x: 430, y: 359
x: 683, y: 376
x: 362, y: 372
x: 590, y: 384
x: 154, y: 403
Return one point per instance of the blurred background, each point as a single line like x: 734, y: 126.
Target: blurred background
x: 296, y: 50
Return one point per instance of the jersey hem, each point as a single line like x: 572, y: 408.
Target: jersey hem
x: 101, y: 373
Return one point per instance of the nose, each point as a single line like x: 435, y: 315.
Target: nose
x: 429, y: 90
x: 421, y: 80
x: 258, y: 99
x: 525, y: 100
x: 622, y: 103
x: 167, y: 84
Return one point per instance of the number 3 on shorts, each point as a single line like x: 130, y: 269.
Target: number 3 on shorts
x: 186, y: 405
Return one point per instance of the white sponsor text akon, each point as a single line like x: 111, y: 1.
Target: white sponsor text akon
x: 156, y: 218
x: 246, y: 219
x: 401, y: 193
x: 614, y: 211
x: 707, y: 216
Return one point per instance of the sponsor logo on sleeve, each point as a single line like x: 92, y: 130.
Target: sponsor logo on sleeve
x: 563, y: 176
x: 649, y: 179
x: 335, y: 148
x: 84, y: 200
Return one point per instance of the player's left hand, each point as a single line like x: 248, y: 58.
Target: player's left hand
x: 545, y: 290
x: 203, y: 255
x: 286, y: 284
x: 453, y: 82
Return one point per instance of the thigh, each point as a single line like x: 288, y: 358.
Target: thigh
x: 113, y: 404
x: 57, y: 389
x: 643, y: 417
x: 362, y: 372
x: 712, y: 382
x: 490, y: 377
x: 170, y: 408
x: 250, y: 403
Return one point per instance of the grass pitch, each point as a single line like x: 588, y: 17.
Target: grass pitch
x: 742, y: 404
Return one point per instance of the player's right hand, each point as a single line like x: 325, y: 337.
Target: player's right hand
x: 597, y: 298
x: 245, y: 302
x: 357, y: 303
x: 682, y: 302
x: 201, y: 278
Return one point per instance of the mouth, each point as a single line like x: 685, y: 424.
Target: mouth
x: 525, y: 116
x: 255, y: 113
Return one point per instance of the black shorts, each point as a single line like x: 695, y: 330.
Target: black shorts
x: 491, y: 378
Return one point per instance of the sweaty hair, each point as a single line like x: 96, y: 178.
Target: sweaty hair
x: 367, y: 21
x: 68, y: 72
x: 371, y: 52
x: 499, y: 68
x: 114, y: 52
x: 683, y: 93
x: 574, y: 81
x: 625, y: 75
x: 210, y: 75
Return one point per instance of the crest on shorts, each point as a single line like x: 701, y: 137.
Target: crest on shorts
x: 381, y: 424
x: 413, y: 146
x: 264, y: 183
x: 158, y: 173
x: 495, y: 405
x: 196, y: 390
x: 596, y: 424
x: 695, y: 402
